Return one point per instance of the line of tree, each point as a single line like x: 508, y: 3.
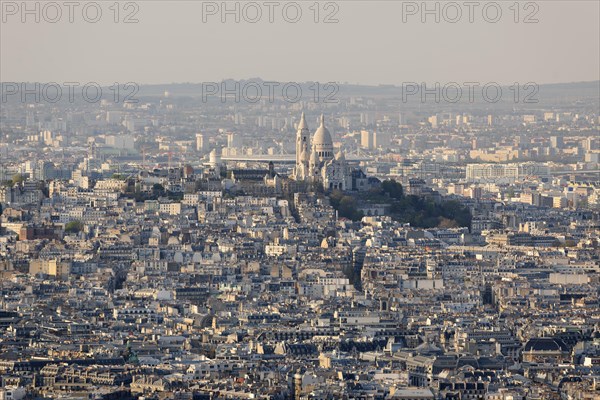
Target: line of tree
x: 419, y: 212
x: 424, y: 212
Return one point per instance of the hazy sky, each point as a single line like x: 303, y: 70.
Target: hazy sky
x: 369, y: 44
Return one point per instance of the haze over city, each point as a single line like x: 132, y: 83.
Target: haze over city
x: 553, y: 42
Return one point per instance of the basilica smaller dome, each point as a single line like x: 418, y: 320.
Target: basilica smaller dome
x: 304, y: 155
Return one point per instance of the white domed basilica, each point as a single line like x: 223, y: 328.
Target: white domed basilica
x: 315, y: 160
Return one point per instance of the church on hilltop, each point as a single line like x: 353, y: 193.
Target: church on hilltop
x: 316, y: 162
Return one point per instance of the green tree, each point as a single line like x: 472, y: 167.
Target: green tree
x: 392, y: 188
x: 317, y: 187
x: 345, y: 205
x: 158, y: 189
x: 18, y: 178
x: 335, y: 197
x: 74, y: 227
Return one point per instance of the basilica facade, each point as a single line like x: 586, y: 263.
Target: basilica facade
x: 315, y: 159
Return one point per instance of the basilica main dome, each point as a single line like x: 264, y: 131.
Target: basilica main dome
x: 322, y: 142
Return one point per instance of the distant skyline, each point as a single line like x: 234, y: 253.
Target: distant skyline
x: 369, y: 45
